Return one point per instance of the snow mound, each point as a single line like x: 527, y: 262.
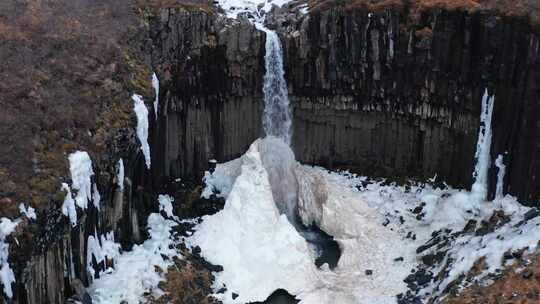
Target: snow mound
x: 135, y: 272
x: 252, y: 241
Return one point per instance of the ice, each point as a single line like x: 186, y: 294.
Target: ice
x: 7, y: 276
x: 155, y: 84
x: 80, y: 167
x: 96, y: 197
x: 252, y: 241
x: 165, y: 204
x: 107, y: 249
x: 29, y: 212
x: 120, y: 174
x: 501, y: 170
x: 480, y: 175
x: 134, y: 271
x: 68, y: 207
x: 142, y: 126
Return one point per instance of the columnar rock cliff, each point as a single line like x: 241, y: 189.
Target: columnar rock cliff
x: 383, y: 93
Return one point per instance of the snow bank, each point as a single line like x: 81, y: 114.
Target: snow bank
x: 134, y: 272
x: 80, y: 166
x: 7, y: 277
x: 142, y: 126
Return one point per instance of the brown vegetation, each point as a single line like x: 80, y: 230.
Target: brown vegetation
x: 520, y: 283
x: 510, y: 8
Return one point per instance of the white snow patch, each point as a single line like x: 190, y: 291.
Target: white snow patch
x: 233, y: 8
x: 29, y: 212
x: 7, y: 277
x: 68, y: 207
x: 107, y: 249
x: 80, y: 166
x: 165, y: 204
x: 134, y: 272
x: 142, y: 126
x: 155, y: 84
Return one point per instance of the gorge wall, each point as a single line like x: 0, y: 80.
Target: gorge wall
x: 386, y: 93
x: 394, y: 95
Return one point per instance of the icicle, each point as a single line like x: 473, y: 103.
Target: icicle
x: 142, y: 126
x: 483, y: 147
x: 155, y: 84
x: 120, y: 174
x: 499, y: 162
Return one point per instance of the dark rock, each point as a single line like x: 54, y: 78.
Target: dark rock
x: 368, y: 272
x: 234, y: 296
x: 534, y: 212
x: 527, y: 274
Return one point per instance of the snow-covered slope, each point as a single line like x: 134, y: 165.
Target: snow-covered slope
x: 383, y: 230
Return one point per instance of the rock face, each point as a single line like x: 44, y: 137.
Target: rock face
x: 386, y: 94
x: 210, y: 71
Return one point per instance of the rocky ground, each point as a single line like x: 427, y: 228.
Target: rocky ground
x: 519, y: 283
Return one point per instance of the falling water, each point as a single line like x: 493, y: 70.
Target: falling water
x: 277, y: 111
x: 483, y: 147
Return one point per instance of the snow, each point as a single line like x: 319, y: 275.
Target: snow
x: 155, y: 84
x: 142, y: 126
x: 480, y: 175
x: 233, y: 8
x: 29, y: 212
x: 120, y: 174
x: 255, y: 243
x: 501, y: 170
x: 134, y: 272
x: 7, y: 277
x: 165, y: 204
x: 80, y: 166
x: 107, y: 249
x: 68, y: 207
x: 238, y: 238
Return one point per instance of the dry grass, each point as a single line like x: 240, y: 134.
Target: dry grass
x: 509, y: 8
x: 512, y: 287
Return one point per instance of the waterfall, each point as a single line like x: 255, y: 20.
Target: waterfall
x: 483, y: 147
x: 277, y: 112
